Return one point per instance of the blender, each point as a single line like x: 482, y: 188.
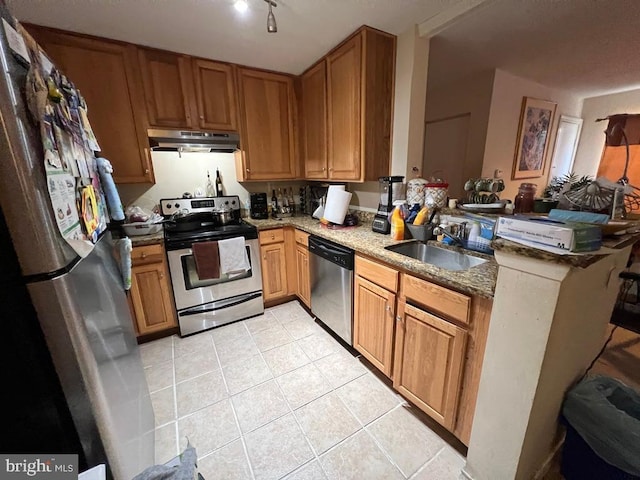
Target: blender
x: 391, y: 189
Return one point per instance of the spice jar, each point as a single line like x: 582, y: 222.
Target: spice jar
x: 525, y: 197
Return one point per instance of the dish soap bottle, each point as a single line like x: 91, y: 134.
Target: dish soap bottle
x: 210, y: 190
x: 397, y: 221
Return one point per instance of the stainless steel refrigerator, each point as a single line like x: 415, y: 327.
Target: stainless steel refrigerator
x: 74, y: 380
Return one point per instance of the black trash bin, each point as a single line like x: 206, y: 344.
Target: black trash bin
x: 603, y: 431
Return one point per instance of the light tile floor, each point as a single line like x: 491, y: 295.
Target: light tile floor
x: 277, y: 397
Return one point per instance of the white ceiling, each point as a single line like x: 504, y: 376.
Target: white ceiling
x: 590, y: 47
x: 307, y: 29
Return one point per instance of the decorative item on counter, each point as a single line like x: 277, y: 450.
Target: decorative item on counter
x: 435, y: 193
x: 553, y: 194
x: 525, y: 197
x: 415, y: 188
x: 483, y: 190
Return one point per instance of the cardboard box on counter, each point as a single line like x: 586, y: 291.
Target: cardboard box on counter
x: 574, y: 237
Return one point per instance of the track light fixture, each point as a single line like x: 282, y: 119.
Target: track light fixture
x: 272, y: 27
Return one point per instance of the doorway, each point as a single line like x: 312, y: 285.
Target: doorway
x: 445, y: 151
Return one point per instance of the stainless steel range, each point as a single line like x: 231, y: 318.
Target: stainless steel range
x: 206, y: 303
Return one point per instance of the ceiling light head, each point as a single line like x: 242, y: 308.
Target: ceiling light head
x: 272, y: 27
x: 241, y: 6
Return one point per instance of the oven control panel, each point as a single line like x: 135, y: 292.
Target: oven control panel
x: 169, y: 206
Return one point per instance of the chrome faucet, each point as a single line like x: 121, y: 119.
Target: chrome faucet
x: 457, y: 239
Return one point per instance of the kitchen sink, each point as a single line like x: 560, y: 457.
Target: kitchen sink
x: 439, y: 257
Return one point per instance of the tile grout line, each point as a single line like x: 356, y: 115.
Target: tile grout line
x: 316, y: 457
x: 428, y: 462
x: 379, y: 445
x: 175, y: 395
x: 233, y: 409
x: 313, y: 451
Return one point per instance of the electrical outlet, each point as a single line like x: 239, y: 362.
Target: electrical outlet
x: 497, y: 173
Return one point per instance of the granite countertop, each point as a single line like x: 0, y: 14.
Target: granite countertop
x: 479, y: 280
x: 582, y: 260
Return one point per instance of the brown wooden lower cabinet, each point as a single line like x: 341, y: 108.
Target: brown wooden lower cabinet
x: 428, y: 339
x: 150, y: 294
x: 273, y: 264
x: 374, y: 310
x: 302, y: 271
x: 428, y: 364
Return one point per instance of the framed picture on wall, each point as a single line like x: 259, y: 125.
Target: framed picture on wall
x: 536, y: 120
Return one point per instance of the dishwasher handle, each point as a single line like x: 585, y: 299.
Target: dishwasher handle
x: 338, y: 254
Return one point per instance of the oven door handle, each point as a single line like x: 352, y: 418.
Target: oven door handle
x: 219, y: 305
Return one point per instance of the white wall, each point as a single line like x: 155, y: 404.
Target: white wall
x: 543, y: 333
x: 177, y: 174
x: 412, y: 60
x: 592, y: 137
x: 466, y: 96
x: 504, y: 116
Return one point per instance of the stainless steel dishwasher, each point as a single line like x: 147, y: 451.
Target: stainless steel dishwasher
x: 331, y: 270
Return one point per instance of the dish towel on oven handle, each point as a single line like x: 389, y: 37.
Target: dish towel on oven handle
x: 233, y: 256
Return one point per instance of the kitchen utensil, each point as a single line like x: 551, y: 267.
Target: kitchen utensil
x: 420, y: 232
x: 390, y: 190
x: 259, y: 207
x: 222, y: 216
x: 431, y: 215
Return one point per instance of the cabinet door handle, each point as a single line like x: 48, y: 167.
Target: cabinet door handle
x: 201, y: 117
x: 388, y: 308
x: 323, y: 169
x: 146, y: 171
x: 398, y: 318
x: 248, y: 171
x: 264, y: 257
x: 162, y: 276
x: 143, y: 255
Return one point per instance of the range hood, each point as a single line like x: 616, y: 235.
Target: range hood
x: 192, y: 141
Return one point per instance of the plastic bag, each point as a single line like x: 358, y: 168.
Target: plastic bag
x: 182, y: 467
x: 606, y: 414
x: 136, y: 214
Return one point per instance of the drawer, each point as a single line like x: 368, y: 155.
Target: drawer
x: 441, y: 300
x: 302, y: 237
x: 275, y: 235
x: 381, y: 275
x: 147, y: 254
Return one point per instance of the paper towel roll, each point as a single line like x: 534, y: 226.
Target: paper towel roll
x: 337, y: 204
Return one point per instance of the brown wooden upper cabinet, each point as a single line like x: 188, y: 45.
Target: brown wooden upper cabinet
x: 108, y: 77
x: 215, y: 94
x: 168, y: 89
x: 314, y: 106
x: 359, y: 105
x: 267, y: 109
